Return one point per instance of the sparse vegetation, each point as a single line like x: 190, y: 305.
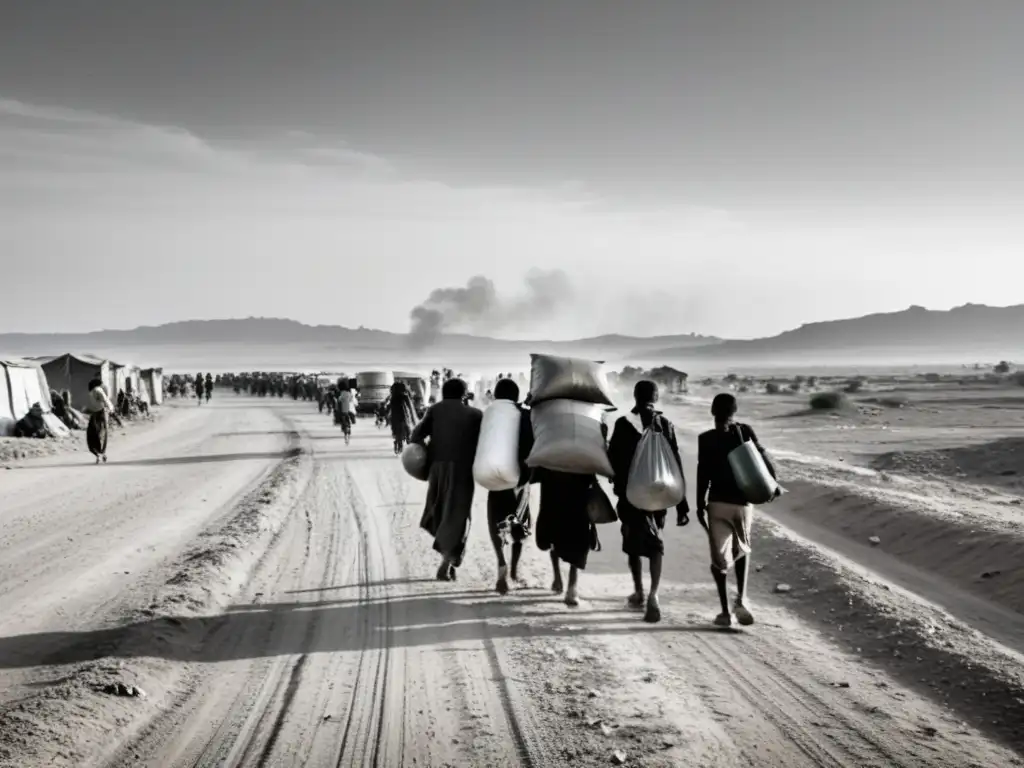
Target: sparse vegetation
x: 1002, y: 367
x: 932, y: 378
x: 1018, y: 378
x: 828, y: 401
x: 772, y: 388
x: 732, y: 378
x: 812, y: 382
x: 854, y: 385
x: 795, y: 386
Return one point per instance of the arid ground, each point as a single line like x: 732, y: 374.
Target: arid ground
x: 239, y: 588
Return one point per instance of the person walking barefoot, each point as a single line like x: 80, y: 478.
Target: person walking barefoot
x: 641, y: 530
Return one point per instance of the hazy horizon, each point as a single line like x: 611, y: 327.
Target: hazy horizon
x: 729, y: 169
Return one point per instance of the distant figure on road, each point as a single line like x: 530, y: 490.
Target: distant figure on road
x: 199, y: 388
x: 508, y: 512
x: 722, y: 509
x: 100, y: 409
x: 641, y: 530
x: 453, y: 429
x: 208, y: 388
x: 401, y: 415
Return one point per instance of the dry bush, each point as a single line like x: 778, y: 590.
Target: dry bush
x: 828, y: 401
x: 772, y: 388
x: 795, y: 386
x: 932, y: 378
x: 854, y: 385
x: 812, y: 382
x: 1018, y: 378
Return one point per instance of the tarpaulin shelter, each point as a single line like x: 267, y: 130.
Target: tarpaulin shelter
x: 73, y: 372
x: 24, y: 383
x: 151, y: 385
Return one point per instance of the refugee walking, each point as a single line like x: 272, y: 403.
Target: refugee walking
x: 641, y: 529
x: 100, y: 409
x: 723, y: 510
x: 449, y: 430
x: 508, y: 512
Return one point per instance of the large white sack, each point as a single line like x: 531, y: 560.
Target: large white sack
x: 496, y: 466
x: 655, y: 481
x: 567, y: 437
x: 568, y: 378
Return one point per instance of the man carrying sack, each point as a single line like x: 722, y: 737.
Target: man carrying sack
x: 724, y: 509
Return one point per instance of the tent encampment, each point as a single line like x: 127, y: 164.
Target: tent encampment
x: 25, y: 384
x: 74, y: 372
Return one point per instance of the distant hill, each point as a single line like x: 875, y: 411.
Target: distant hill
x: 969, y: 332
x: 147, y: 341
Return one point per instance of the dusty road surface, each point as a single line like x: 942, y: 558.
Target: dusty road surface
x: 239, y: 588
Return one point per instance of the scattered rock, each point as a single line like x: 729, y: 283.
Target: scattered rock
x: 758, y: 568
x: 841, y: 685
x: 573, y: 655
x: 782, y: 589
x: 127, y: 691
x: 875, y: 541
x: 592, y: 694
x: 619, y: 757
x: 327, y: 717
x: 606, y: 729
x: 990, y: 574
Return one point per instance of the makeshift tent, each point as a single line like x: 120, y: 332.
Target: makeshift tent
x: 74, y: 372
x: 25, y: 384
x: 151, y: 385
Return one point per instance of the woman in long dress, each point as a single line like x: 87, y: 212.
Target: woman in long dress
x: 402, y: 415
x: 453, y: 429
x: 100, y: 409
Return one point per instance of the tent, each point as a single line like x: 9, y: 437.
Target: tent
x: 24, y: 384
x: 151, y: 385
x: 74, y: 372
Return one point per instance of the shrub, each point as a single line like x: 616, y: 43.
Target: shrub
x: 854, y: 385
x: 827, y: 401
x: 1002, y: 368
x: 731, y: 378
x: 772, y: 388
x: 1018, y: 378
x: 744, y: 388
x: 812, y: 381
x: 795, y: 386
x: 932, y: 377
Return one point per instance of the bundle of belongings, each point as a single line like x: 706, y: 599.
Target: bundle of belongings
x: 568, y: 399
x: 60, y: 404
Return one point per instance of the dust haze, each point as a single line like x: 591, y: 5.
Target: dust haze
x: 478, y: 308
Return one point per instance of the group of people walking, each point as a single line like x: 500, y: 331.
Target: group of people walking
x: 563, y: 526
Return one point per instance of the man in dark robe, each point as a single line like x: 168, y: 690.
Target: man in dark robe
x: 452, y: 429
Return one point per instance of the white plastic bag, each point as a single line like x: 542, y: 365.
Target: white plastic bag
x: 496, y: 466
x: 568, y: 378
x: 655, y: 481
x: 568, y: 438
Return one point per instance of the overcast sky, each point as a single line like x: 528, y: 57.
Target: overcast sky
x: 733, y: 168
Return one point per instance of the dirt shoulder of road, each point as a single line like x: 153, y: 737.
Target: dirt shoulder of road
x: 91, y: 705
x: 15, y: 449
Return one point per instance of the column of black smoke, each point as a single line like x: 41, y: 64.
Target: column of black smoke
x: 477, y: 308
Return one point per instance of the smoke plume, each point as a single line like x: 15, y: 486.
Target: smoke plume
x: 477, y: 307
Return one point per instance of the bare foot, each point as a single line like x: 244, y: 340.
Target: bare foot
x: 502, y: 586
x: 653, y: 614
x: 572, y: 598
x: 636, y: 600
x: 557, y: 587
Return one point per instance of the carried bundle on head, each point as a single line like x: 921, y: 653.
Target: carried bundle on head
x: 568, y: 398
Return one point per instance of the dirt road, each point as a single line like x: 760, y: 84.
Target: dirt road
x: 313, y: 634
